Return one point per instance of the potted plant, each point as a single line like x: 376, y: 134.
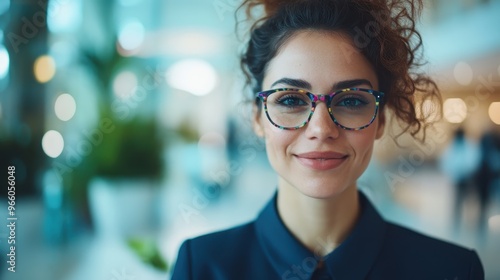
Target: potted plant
x: 127, y: 168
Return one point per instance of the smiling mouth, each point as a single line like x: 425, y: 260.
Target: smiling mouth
x: 321, y: 160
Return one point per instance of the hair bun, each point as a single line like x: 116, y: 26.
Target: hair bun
x: 270, y: 6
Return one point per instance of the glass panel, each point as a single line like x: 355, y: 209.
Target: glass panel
x: 353, y: 109
x: 289, y: 108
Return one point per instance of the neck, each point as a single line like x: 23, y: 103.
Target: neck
x: 320, y: 224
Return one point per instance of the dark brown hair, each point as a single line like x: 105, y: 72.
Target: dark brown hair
x: 383, y: 30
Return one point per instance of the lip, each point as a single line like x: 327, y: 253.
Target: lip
x: 321, y: 160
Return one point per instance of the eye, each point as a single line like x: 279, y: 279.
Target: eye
x: 293, y: 100
x: 351, y: 102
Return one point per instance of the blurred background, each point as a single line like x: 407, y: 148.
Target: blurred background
x: 128, y: 129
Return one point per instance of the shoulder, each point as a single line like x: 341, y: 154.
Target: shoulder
x: 224, y: 239
x: 420, y: 253
x: 212, y: 256
x: 404, y: 237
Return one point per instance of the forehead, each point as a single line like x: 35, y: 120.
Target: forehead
x: 322, y: 58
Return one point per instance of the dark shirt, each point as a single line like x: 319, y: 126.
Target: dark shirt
x: 375, y: 249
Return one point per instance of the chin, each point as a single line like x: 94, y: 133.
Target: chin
x: 321, y: 190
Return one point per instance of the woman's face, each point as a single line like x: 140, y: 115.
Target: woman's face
x: 320, y: 160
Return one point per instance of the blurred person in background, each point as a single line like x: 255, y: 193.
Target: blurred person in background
x: 324, y: 75
x: 460, y: 162
x: 488, y: 174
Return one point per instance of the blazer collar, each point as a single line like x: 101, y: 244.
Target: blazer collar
x: 350, y: 260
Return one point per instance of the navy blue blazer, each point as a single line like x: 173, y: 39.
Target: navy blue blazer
x: 375, y: 249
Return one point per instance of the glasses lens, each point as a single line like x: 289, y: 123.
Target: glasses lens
x: 353, y: 109
x: 288, y: 108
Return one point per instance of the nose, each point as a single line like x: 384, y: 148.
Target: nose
x: 321, y: 125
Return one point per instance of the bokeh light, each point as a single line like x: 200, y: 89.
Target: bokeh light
x: 463, y: 73
x: 124, y: 84
x: 64, y: 16
x: 4, y: 62
x: 188, y: 42
x: 454, y: 110
x: 494, y: 223
x: 65, y: 107
x: 192, y: 75
x: 4, y: 6
x: 494, y: 112
x: 131, y: 35
x: 52, y: 143
x: 44, y: 68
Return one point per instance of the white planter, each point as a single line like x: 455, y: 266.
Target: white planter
x: 123, y: 208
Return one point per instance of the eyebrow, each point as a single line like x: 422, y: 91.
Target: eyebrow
x: 293, y: 82
x: 306, y: 85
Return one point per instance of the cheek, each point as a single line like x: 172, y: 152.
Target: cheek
x: 364, y: 139
x: 278, y: 143
x: 362, y: 144
x: 276, y: 139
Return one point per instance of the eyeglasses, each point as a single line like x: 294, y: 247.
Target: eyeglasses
x: 350, y: 108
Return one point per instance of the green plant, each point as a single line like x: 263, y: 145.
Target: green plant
x: 147, y: 251
x: 132, y: 150
x: 187, y: 132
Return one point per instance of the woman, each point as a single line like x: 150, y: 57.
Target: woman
x: 324, y: 73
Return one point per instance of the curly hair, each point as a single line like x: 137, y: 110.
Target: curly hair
x: 383, y: 31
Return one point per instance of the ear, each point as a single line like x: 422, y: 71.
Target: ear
x: 257, y: 121
x: 381, y: 124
